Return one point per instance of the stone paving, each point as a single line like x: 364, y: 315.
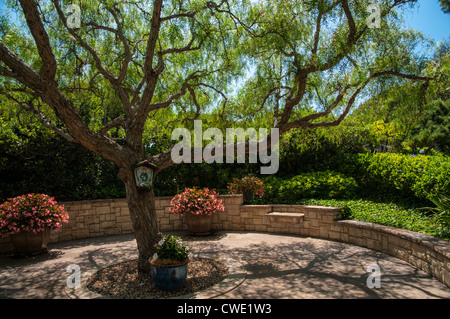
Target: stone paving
x: 262, y: 265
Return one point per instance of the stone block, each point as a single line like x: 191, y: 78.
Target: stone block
x: 315, y: 223
x: 261, y: 228
x: 359, y: 241
x: 103, y: 210
x: 314, y: 232
x: 78, y: 233
x: 373, y: 244
x: 108, y: 224
x: 324, y: 232
x: 333, y: 235
x: 112, y: 231
x: 355, y: 232
x: 126, y: 227
x: 404, y: 243
x: 398, y: 252
x: 419, y: 251
x: 328, y: 218
x: 109, y: 217
x: 446, y: 278
x: 122, y: 219
x: 94, y: 228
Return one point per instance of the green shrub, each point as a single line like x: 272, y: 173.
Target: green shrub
x: 327, y: 184
x: 399, y: 174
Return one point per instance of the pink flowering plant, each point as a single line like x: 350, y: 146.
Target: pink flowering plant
x: 196, y: 201
x: 31, y: 212
x: 249, y: 183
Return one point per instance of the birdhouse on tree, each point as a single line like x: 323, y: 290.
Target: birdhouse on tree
x: 144, y: 173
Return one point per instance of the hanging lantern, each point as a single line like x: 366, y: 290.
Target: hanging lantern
x: 143, y: 174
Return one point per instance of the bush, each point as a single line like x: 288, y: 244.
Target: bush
x: 249, y: 183
x: 327, y: 184
x: 403, y: 175
x: 51, y: 165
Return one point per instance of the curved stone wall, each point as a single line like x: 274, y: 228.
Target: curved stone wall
x: 111, y: 217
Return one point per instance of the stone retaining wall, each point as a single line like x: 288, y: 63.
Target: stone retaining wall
x: 111, y: 217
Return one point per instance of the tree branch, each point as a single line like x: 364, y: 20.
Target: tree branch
x: 305, y: 121
x: 150, y: 76
x: 41, y: 39
x: 118, y: 121
x: 28, y: 106
x: 115, y: 82
x: 19, y: 70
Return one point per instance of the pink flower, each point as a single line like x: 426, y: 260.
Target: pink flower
x: 31, y: 212
x: 196, y: 201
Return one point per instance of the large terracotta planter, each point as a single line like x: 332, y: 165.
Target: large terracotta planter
x: 169, y: 278
x: 28, y: 243
x: 199, y: 225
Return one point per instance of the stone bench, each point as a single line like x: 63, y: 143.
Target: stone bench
x: 286, y: 217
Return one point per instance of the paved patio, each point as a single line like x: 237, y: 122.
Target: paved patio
x: 262, y: 265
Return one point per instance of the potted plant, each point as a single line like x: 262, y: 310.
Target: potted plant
x: 248, y: 186
x: 170, y: 263
x: 28, y: 220
x: 197, y: 207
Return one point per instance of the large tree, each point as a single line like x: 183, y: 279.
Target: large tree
x: 134, y: 70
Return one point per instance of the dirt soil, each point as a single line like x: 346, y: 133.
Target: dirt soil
x: 121, y: 281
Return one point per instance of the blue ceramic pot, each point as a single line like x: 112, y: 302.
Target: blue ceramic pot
x: 169, y: 278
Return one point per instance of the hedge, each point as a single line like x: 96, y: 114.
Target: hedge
x: 399, y: 174
x: 326, y: 184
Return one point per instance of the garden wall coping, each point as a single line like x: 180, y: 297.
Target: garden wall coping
x: 436, y: 244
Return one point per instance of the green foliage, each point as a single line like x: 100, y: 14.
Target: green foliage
x: 445, y: 6
x: 434, y: 131
x: 171, y: 248
x: 441, y: 213
x: 327, y: 184
x: 51, y: 165
x: 177, y: 177
x: 249, y: 183
x: 388, y: 214
x: 404, y: 175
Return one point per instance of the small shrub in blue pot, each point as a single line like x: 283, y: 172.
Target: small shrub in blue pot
x: 170, y: 263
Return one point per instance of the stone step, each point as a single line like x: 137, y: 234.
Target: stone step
x: 286, y: 217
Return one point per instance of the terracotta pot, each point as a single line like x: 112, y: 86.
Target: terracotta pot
x: 30, y: 243
x: 198, y: 224
x: 248, y: 196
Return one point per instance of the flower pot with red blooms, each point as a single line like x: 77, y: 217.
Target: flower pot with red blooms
x: 170, y: 263
x: 28, y: 220
x: 249, y: 186
x: 197, y: 206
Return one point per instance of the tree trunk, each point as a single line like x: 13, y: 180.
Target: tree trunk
x: 141, y: 205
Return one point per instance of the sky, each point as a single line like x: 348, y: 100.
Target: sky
x: 428, y: 18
